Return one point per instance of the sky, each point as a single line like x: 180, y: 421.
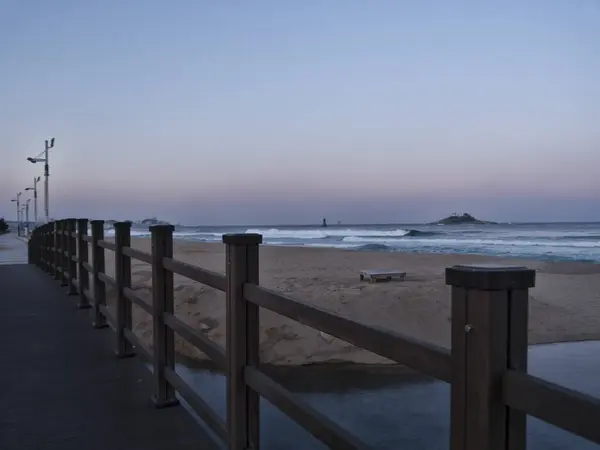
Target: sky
x: 259, y: 112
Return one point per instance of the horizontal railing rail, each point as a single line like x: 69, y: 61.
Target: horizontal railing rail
x: 488, y: 354
x: 426, y: 358
x: 565, y: 408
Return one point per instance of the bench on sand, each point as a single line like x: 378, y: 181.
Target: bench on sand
x: 373, y: 276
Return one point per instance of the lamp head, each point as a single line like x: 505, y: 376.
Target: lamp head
x: 29, y: 189
x: 14, y: 200
x: 51, y: 142
x: 31, y: 160
x: 37, y: 179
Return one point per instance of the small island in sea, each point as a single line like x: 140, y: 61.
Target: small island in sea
x: 461, y: 219
x: 152, y: 221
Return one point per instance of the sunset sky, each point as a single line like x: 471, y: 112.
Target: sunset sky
x: 257, y: 112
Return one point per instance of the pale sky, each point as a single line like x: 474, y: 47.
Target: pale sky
x: 238, y: 112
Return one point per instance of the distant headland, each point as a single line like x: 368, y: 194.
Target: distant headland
x: 461, y: 219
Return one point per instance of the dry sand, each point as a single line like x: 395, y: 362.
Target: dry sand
x: 564, y: 306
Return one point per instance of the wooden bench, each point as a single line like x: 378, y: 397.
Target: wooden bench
x: 373, y: 276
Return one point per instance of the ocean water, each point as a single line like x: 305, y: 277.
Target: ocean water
x: 406, y: 412
x: 548, y: 241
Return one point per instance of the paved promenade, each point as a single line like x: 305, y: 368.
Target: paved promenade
x: 13, y: 249
x: 62, y: 386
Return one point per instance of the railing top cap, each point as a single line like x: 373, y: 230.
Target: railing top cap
x: 489, y: 268
x: 490, y: 277
x: 96, y: 221
x: 242, y: 239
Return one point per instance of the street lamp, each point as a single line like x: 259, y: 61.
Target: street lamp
x: 34, y: 189
x: 18, y: 213
x: 48, y: 145
x: 27, y: 216
x: 22, y: 221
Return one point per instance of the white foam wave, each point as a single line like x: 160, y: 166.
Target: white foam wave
x: 275, y: 233
x: 331, y: 245
x: 478, y: 242
x: 176, y: 234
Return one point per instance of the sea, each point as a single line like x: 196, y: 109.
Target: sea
x: 542, y: 241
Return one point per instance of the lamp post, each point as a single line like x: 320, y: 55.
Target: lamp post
x: 34, y: 189
x: 27, y: 216
x: 23, y: 220
x: 48, y: 145
x: 18, y: 213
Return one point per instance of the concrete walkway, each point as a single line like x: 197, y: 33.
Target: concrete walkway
x: 62, y: 386
x: 13, y: 249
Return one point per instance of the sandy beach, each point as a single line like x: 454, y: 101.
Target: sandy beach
x: 564, y: 306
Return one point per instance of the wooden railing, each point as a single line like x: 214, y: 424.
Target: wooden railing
x: 491, y: 391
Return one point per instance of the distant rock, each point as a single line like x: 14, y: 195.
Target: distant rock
x: 464, y: 219
x: 153, y: 221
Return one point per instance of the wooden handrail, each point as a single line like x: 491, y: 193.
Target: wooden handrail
x: 317, y: 424
x: 565, y: 408
x: 206, y: 277
x: 131, y: 295
x: 426, y: 358
x: 138, y: 254
x: 98, y: 262
x: 195, y: 337
x: 107, y: 279
x: 107, y: 245
x: 489, y: 339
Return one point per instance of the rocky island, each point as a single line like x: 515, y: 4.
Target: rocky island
x: 152, y: 221
x: 461, y: 219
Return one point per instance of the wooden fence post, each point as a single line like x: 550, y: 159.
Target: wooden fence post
x: 36, y: 236
x: 123, y: 279
x: 489, y: 336
x: 98, y: 266
x: 39, y: 234
x: 83, y: 279
x: 50, y: 248
x: 56, y: 250
x: 162, y: 302
x: 43, y: 247
x: 242, y: 338
x: 30, y: 249
x: 65, y: 256
x: 71, y: 225
x: 35, y: 246
x: 61, y: 256
x: 64, y: 263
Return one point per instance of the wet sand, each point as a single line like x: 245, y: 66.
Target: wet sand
x: 564, y: 306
